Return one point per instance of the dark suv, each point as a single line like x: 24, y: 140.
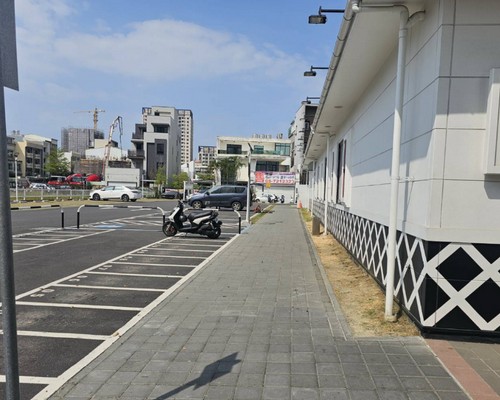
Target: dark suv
x: 233, y: 196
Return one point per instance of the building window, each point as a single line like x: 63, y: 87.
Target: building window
x: 161, y: 128
x: 341, y: 171
x: 283, y: 149
x: 258, y: 149
x: 160, y: 148
x: 267, y: 166
x: 233, y: 149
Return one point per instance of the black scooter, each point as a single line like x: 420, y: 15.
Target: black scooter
x: 204, y: 223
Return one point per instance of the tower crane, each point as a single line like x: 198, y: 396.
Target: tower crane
x: 96, y: 112
x: 117, y: 123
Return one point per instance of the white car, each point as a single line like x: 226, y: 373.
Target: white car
x: 120, y: 192
x: 266, y: 198
x: 40, y: 186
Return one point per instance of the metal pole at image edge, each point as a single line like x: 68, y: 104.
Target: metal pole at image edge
x: 7, y: 268
x: 8, y: 79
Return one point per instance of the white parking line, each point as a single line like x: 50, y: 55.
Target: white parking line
x: 36, y: 380
x: 61, y: 335
x: 167, y: 256
x: 83, y: 306
x: 131, y: 274
x: 152, y: 265
x: 107, y: 287
x: 57, y: 241
x: 178, y: 244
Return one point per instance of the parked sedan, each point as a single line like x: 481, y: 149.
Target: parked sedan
x: 122, y: 193
x: 171, y: 194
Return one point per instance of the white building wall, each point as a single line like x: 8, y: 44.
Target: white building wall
x: 449, y: 208
x: 444, y: 192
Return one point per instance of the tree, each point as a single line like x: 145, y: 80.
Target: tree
x: 178, y: 180
x: 228, y: 168
x: 206, y: 177
x: 161, y: 176
x: 57, y: 163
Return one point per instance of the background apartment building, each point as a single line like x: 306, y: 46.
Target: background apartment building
x: 156, y: 142
x: 206, y: 154
x: 78, y: 140
x: 186, y: 125
x: 266, y: 160
x: 32, y: 153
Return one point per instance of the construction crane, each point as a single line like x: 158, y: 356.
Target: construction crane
x: 96, y: 112
x: 107, y: 150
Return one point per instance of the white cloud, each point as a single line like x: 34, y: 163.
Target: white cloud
x: 155, y: 50
x: 163, y: 50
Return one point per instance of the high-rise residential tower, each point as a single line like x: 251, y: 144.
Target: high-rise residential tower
x: 186, y: 125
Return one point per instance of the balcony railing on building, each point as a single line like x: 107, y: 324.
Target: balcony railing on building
x: 138, y: 136
x: 136, y: 154
x: 255, y: 152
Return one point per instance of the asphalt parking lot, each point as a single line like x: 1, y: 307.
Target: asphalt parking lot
x: 81, y: 289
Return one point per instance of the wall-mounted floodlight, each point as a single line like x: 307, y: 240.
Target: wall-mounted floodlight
x: 320, y: 18
x: 311, y: 72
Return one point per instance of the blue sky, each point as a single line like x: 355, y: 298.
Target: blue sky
x: 237, y: 65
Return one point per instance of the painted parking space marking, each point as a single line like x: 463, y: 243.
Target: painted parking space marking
x: 37, y: 240
x: 63, y: 335
x: 132, y: 274
x: 173, y: 270
x: 109, y: 280
x: 62, y: 305
x: 47, y: 318
x: 149, y: 263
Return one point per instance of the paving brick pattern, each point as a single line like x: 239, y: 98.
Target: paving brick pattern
x: 258, y: 322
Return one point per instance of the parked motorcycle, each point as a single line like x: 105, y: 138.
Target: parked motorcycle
x: 272, y: 198
x: 204, y: 223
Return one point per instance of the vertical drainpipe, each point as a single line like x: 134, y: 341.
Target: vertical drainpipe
x: 396, y: 148
x: 404, y: 23
x: 327, y: 174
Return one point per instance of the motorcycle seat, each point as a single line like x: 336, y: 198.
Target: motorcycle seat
x: 199, y: 214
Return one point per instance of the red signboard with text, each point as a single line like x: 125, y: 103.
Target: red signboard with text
x: 275, y: 178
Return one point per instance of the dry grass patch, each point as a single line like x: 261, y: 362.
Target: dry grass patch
x: 361, y: 299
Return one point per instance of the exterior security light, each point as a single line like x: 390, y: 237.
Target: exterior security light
x: 311, y: 72
x: 317, y: 19
x: 320, y: 18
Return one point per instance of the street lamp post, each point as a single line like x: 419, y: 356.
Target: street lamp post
x: 15, y: 176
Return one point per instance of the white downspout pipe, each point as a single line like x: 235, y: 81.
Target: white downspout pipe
x: 327, y: 174
x: 404, y: 22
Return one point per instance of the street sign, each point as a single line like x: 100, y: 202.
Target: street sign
x: 8, y: 52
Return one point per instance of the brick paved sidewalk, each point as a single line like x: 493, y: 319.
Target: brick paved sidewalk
x: 257, y: 322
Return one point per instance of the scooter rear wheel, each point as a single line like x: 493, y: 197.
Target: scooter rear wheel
x: 169, y: 229
x: 214, y: 234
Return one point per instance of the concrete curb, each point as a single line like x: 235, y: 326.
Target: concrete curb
x: 31, y: 207
x: 326, y: 282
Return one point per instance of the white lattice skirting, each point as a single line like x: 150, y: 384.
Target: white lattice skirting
x: 445, y: 287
